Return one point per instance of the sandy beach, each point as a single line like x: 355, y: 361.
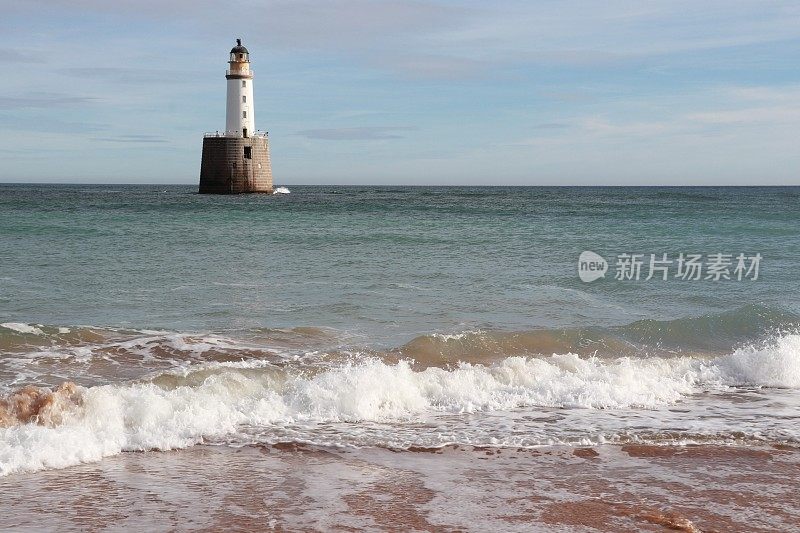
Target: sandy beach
x: 290, y: 487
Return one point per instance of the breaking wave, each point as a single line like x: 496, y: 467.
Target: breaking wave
x: 214, y: 401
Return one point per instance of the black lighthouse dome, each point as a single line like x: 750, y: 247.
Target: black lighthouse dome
x: 239, y: 49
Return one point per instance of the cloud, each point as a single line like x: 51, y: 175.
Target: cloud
x: 129, y: 75
x: 310, y: 24
x: 750, y: 115
x: 777, y: 94
x: 618, y: 29
x: 34, y: 151
x: 134, y: 139
x: 43, y: 100
x: 355, y: 134
x: 44, y: 122
x: 552, y: 126
x: 354, y: 22
x: 774, y: 105
x: 575, y: 58
x: 628, y: 129
x: 8, y: 55
x: 426, y: 66
x: 568, y: 96
x: 714, y: 119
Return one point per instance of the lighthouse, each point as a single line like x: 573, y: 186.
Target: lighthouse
x: 237, y: 159
x: 240, y: 114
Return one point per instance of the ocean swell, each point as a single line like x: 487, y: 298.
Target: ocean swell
x: 718, y: 333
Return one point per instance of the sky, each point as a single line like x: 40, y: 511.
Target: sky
x: 419, y: 92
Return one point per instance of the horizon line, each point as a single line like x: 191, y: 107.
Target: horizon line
x: 121, y: 184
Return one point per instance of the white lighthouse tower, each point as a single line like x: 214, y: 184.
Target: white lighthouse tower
x: 240, y: 112
x: 237, y: 161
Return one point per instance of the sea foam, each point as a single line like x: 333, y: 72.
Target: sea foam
x: 211, y: 401
x: 20, y: 327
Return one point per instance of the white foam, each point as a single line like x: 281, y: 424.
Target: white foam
x: 774, y: 365
x: 281, y: 190
x: 456, y: 336
x: 215, y: 400
x: 20, y: 327
x: 185, y: 344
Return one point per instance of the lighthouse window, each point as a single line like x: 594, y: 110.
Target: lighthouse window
x: 248, y: 152
x: 244, y: 99
x: 244, y: 114
x: 244, y: 83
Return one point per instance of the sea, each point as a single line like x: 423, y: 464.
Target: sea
x: 147, y: 328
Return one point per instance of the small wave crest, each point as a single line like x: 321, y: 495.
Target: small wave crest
x: 481, y: 346
x: 715, y: 333
x: 281, y: 190
x: 21, y: 327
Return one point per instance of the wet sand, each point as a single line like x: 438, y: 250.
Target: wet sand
x: 290, y: 487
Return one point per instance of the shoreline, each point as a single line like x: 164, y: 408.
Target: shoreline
x: 296, y: 487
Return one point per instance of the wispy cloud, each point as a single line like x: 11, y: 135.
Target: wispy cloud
x: 427, y: 66
x: 10, y: 55
x: 356, y: 134
x: 570, y: 96
x: 42, y: 123
x: 753, y: 105
x: 575, y: 58
x: 32, y: 151
x: 43, y: 100
x: 134, y: 139
x: 129, y: 75
x: 619, y: 29
x: 750, y: 115
x: 551, y: 126
x: 333, y: 25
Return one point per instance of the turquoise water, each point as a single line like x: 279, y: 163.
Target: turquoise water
x: 153, y: 317
x: 386, y: 262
